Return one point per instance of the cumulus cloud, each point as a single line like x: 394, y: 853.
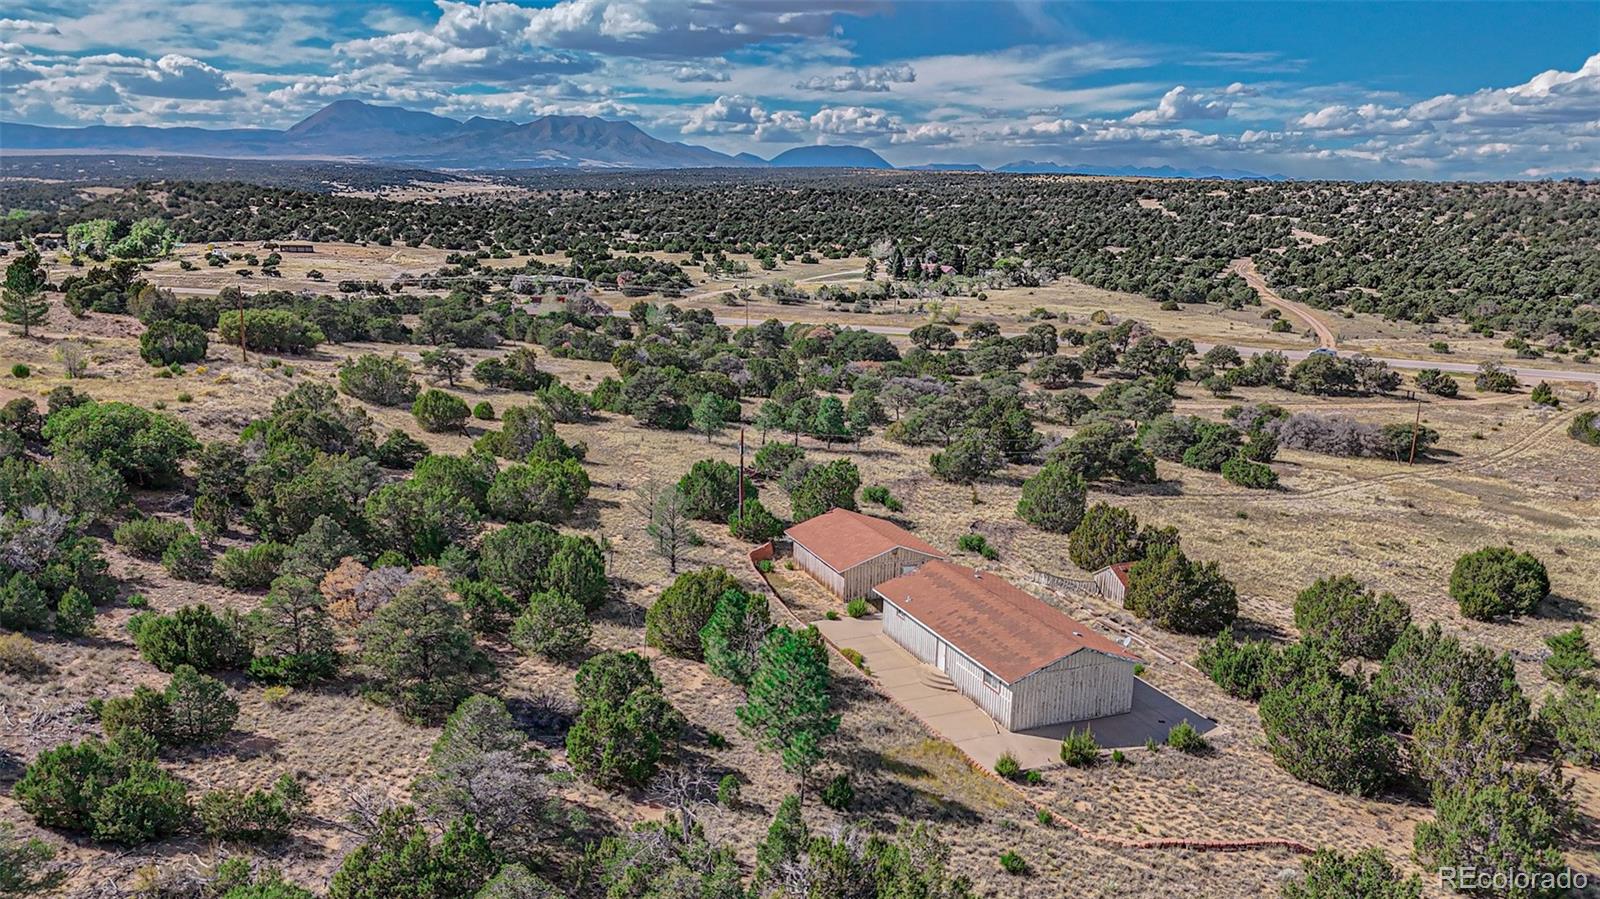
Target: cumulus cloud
x: 181, y: 78
x: 875, y: 79
x: 736, y: 114
x: 860, y: 120
x: 1179, y: 105
x: 692, y: 73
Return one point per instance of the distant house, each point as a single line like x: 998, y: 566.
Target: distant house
x: 1020, y: 659
x: 1113, y: 581
x: 850, y: 553
x: 296, y: 248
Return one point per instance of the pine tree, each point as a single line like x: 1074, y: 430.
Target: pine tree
x: 20, y: 301
x: 787, y: 706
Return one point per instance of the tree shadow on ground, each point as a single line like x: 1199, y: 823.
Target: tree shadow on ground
x: 1563, y: 608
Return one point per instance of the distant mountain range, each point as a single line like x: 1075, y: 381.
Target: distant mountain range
x: 352, y: 130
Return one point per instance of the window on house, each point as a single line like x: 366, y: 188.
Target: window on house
x: 991, y: 682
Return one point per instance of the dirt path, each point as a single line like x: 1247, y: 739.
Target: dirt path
x: 1246, y: 269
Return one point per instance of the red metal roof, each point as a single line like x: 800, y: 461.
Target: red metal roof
x: 843, y: 539
x: 1006, y: 630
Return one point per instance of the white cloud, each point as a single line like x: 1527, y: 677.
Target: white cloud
x: 876, y: 79
x: 1180, y: 105
x: 742, y: 115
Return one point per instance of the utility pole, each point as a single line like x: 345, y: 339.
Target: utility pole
x: 741, y: 473
x: 1415, y: 427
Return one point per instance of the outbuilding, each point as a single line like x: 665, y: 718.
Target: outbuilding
x: 1113, y: 581
x: 1017, y: 657
x: 850, y: 553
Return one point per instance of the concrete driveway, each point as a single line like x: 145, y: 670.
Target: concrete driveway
x: 956, y: 718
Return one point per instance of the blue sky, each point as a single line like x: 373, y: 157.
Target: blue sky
x: 1394, y: 90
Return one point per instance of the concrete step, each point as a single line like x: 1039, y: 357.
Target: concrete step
x: 937, y: 680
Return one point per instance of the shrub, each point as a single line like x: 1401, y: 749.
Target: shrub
x: 270, y: 331
x: 1107, y: 535
x: 711, y: 490
x: 419, y: 654
x: 1013, y: 864
x: 1498, y: 582
x: 148, y: 538
x: 838, y: 793
x: 258, y: 816
x: 554, y: 626
x: 774, y: 459
x: 18, y: 655
x: 626, y: 725
x: 1512, y: 824
x: 538, y: 491
x: 483, y: 410
x: 1240, y: 669
x: 200, y: 708
x: 858, y: 608
x: 1354, y: 621
x: 1427, y: 670
x: 74, y: 613
x: 1584, y: 430
x: 20, y: 371
x: 437, y: 411
x: 1326, y: 731
x: 1178, y: 595
x: 1079, y: 749
x: 172, y: 342
x: 1331, y: 874
x: 674, y: 622
x: 380, y: 380
x: 292, y: 635
x: 250, y: 568
x: 1053, y: 499
x: 145, y: 447
x: 110, y: 791
x: 187, y: 559
x: 193, y: 636
x: 1570, y: 658
x: 728, y: 790
x: 757, y: 525
x: 1008, y: 767
x: 1245, y: 473
x: 1185, y: 738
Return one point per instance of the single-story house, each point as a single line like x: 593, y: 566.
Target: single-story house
x: 1015, y: 655
x: 850, y: 553
x: 1113, y: 581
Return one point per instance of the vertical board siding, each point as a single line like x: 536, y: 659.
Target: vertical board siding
x: 1110, y: 585
x: 819, y: 570
x: 1084, y: 685
x: 859, y: 581
x: 906, y: 631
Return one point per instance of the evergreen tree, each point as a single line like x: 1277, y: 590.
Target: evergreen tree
x: 731, y: 640
x: 294, y: 640
x: 419, y: 654
x: 788, y: 706
x: 21, y: 302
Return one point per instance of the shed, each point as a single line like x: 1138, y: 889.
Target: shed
x: 1113, y: 581
x: 1020, y: 659
x: 850, y: 553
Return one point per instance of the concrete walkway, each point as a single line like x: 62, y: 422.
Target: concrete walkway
x: 959, y: 720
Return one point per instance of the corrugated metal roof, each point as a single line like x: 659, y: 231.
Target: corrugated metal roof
x: 1006, y: 630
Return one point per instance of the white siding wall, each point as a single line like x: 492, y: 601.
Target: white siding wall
x: 819, y: 570
x: 966, y: 674
x: 904, y: 630
x: 1110, y: 585
x: 860, y: 580
x: 1086, y: 684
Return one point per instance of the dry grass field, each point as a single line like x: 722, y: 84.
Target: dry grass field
x: 1508, y: 474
